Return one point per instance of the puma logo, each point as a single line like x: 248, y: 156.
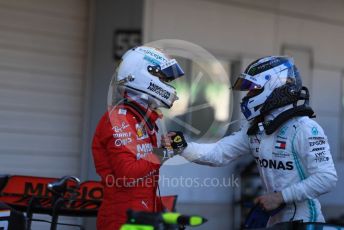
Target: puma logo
x: 144, y: 204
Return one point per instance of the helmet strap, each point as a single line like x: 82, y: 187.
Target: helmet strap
x: 272, y: 125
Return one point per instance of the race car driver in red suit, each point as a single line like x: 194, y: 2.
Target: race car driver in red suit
x: 125, y: 142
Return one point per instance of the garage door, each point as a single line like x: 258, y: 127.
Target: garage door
x: 42, y: 73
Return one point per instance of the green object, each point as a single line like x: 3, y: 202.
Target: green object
x: 151, y: 221
x: 136, y: 227
x: 170, y: 217
x: 196, y: 220
x: 177, y: 218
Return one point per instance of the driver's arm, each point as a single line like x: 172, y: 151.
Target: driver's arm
x: 220, y: 153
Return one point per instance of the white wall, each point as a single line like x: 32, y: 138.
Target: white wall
x: 42, y: 60
x: 248, y: 29
x: 42, y: 77
x: 244, y: 29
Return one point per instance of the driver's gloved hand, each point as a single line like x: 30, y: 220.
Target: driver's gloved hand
x: 178, y: 142
x: 172, y: 144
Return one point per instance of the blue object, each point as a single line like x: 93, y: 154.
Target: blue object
x: 258, y: 218
x: 172, y: 72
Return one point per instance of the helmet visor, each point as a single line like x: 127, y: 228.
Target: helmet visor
x: 171, y: 70
x: 243, y: 84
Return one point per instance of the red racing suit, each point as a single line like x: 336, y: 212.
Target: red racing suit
x: 122, y: 151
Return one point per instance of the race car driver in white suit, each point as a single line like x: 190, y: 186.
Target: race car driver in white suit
x: 290, y: 149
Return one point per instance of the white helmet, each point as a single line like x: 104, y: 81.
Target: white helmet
x: 145, y: 71
x: 272, y: 82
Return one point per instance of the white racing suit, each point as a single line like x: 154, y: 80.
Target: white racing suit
x: 295, y: 160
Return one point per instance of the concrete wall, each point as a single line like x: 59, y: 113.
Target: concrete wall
x: 109, y: 16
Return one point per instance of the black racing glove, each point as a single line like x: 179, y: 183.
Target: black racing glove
x: 178, y: 142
